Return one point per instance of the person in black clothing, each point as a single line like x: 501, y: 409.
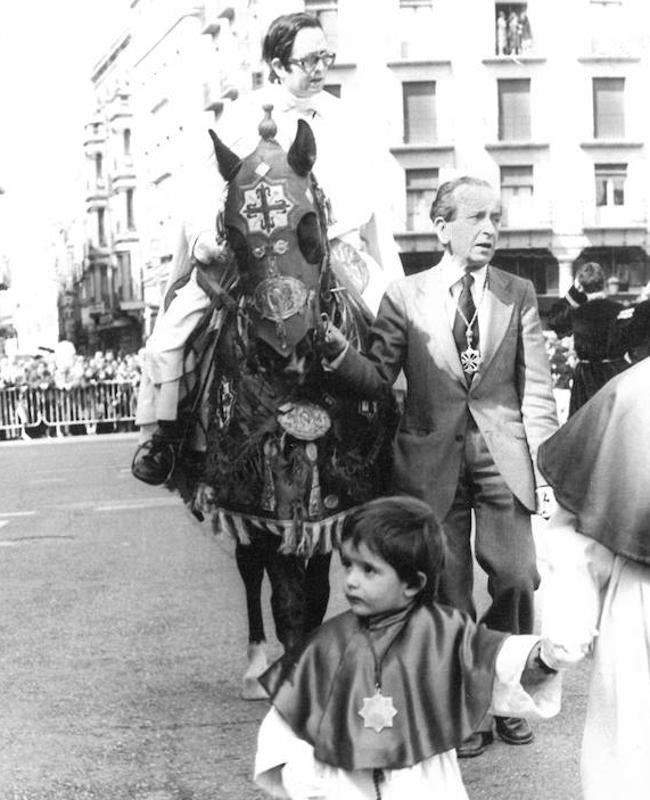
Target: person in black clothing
x: 603, y: 332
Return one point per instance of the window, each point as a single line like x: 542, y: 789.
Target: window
x: 514, y: 109
x: 101, y: 230
x: 610, y: 184
x: 104, y: 295
x: 609, y: 117
x: 327, y: 13
x: 611, y: 32
x: 414, y: 28
x: 512, y: 29
x: 517, y: 193
x: 126, y: 139
x: 419, y: 111
x: 125, y: 291
x: 99, y: 166
x: 421, y: 186
x: 130, y: 224
x: 257, y: 79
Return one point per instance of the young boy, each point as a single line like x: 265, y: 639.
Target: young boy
x: 380, y: 696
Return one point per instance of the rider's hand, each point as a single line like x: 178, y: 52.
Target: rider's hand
x: 206, y: 248
x: 545, y: 502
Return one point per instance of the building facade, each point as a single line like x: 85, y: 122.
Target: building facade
x: 545, y: 101
x: 106, y: 310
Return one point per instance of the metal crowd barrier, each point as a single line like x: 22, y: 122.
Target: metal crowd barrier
x: 28, y: 407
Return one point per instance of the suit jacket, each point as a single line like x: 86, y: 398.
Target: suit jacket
x: 510, y: 398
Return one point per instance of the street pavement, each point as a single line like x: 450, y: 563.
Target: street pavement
x: 122, y: 642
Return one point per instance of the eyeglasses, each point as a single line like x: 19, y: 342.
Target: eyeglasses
x: 309, y: 62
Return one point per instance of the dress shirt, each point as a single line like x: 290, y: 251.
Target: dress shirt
x: 453, y: 277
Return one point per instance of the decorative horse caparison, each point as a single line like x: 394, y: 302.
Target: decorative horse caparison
x: 289, y: 451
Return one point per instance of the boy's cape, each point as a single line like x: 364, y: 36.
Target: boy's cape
x: 599, y: 464
x: 439, y: 673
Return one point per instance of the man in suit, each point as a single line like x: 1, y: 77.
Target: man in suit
x: 479, y: 403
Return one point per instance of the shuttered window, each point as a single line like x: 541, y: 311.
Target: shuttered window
x: 419, y: 111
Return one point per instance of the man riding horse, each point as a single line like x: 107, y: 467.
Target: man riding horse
x: 286, y: 453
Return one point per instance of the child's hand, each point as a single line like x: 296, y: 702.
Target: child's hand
x: 537, y: 671
x: 567, y: 654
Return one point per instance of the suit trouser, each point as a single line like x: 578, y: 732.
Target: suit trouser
x: 504, y: 543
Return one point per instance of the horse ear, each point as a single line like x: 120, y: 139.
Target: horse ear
x: 302, y: 153
x: 226, y: 159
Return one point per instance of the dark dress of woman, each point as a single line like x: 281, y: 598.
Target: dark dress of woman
x: 601, y: 338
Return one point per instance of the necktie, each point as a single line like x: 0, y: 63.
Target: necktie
x: 464, y: 321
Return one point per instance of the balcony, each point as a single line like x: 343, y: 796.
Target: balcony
x: 530, y: 215
x: 513, y: 34
x: 123, y: 168
x: 614, y: 217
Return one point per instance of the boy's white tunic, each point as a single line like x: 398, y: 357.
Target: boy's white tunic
x: 285, y: 765
x: 349, y: 168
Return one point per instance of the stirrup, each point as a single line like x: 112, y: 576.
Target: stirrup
x: 154, y: 461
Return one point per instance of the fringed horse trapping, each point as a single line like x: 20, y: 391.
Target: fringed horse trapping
x: 288, y: 452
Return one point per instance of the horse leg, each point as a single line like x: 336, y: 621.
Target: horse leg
x: 250, y: 562
x: 299, y: 595
x: 318, y: 589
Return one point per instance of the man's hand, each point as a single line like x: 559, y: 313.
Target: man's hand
x: 545, y: 502
x: 329, y: 339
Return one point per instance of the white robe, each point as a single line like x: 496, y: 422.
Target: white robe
x: 285, y: 765
x: 349, y: 167
x: 595, y: 599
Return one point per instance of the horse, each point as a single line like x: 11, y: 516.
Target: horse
x: 288, y: 451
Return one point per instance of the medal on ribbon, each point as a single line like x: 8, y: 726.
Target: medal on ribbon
x: 377, y: 711
x: 470, y: 357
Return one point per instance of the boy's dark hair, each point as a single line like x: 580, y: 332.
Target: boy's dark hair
x: 279, y: 39
x: 404, y: 532
x: 591, y: 277
x: 444, y: 203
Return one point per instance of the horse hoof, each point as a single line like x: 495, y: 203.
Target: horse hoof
x: 252, y: 689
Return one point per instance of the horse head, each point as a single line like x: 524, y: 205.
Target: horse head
x: 273, y: 223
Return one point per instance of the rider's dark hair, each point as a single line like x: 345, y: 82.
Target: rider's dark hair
x: 444, y: 204
x: 404, y: 532
x: 279, y: 39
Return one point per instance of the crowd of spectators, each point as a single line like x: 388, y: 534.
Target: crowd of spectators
x: 65, y: 369
x: 101, y: 397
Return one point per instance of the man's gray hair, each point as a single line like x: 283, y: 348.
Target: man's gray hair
x: 444, y: 204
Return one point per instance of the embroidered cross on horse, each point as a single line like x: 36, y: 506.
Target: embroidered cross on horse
x: 266, y: 206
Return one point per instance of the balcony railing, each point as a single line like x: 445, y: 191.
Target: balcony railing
x: 528, y: 215
x: 611, y: 216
